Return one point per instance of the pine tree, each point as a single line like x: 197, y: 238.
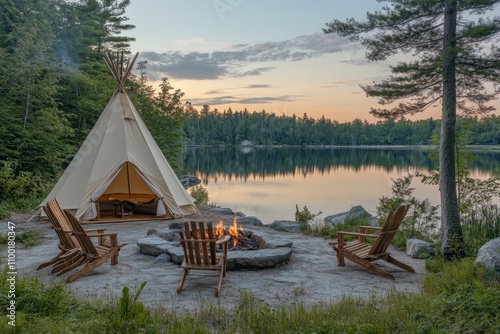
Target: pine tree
x: 452, y: 61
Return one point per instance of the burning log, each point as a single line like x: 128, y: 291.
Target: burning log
x: 240, y: 239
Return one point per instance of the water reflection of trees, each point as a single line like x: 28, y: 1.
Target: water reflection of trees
x: 263, y: 162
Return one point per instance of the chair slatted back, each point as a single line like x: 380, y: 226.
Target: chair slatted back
x: 389, y: 229
x: 198, y: 243
x: 66, y: 242
x: 56, y: 216
x: 83, y: 239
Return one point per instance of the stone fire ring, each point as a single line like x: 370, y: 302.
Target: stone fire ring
x: 279, y: 251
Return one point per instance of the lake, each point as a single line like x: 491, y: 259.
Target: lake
x: 268, y: 182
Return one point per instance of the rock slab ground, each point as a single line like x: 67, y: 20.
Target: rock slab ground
x: 310, y: 276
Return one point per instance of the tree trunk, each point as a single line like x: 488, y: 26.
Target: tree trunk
x: 26, y: 110
x: 451, y: 230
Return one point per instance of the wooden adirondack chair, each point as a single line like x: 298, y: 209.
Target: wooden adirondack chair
x: 199, y: 245
x: 70, y: 255
x: 94, y: 255
x: 363, y: 253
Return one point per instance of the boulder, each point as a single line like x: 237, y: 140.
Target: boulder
x: 176, y: 253
x: 356, y: 212
x: 286, y: 225
x: 419, y: 249
x: 189, y: 181
x: 489, y: 256
x: 168, y: 236
x: 222, y: 211
x: 250, y: 220
x: 153, y: 245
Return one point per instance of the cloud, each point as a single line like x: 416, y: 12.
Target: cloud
x: 241, y: 60
x: 213, y: 92
x: 231, y: 99
x: 257, y: 86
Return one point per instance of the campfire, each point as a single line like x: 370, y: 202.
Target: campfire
x: 240, y: 239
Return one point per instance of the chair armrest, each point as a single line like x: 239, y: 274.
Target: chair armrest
x: 357, y: 234
x: 365, y: 228
x: 98, y: 230
x: 223, y: 239
x: 113, y: 239
x: 102, y: 235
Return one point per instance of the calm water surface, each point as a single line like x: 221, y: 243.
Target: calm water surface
x: 269, y: 182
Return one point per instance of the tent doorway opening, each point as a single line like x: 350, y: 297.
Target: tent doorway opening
x: 128, y: 197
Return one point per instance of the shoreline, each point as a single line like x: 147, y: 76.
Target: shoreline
x: 426, y: 147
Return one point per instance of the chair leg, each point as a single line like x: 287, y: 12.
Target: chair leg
x: 217, y: 289
x: 368, y: 265
x: 89, y: 266
x: 183, y: 278
x: 399, y: 264
x: 340, y: 257
x: 114, y: 259
x: 68, y: 262
x: 70, y: 266
x: 340, y: 252
x: 56, y: 259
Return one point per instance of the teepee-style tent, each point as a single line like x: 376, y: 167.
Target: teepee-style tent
x: 120, y: 162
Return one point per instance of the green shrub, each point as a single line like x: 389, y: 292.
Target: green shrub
x: 479, y: 227
x: 305, y: 215
x: 16, y: 185
x: 34, y: 297
x: 435, y: 264
x: 422, y: 219
x: 349, y: 225
x: 200, y: 195
x: 28, y: 238
x: 20, y: 191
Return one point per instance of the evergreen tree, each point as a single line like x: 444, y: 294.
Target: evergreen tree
x: 448, y: 40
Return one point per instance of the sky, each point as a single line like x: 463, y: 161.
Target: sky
x: 259, y: 55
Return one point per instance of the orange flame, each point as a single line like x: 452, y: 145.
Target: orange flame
x: 234, y: 231
x: 219, y: 230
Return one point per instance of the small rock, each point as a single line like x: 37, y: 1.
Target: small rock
x: 176, y: 226
x: 162, y: 258
x: 151, y: 232
x: 419, y: 249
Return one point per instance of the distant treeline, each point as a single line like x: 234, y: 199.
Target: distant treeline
x: 229, y: 127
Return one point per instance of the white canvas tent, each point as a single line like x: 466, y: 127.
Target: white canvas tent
x: 120, y: 159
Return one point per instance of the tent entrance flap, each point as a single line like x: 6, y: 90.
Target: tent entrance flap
x: 131, y: 187
x: 128, y: 182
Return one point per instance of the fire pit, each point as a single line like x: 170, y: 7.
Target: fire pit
x: 247, y: 249
x: 241, y: 239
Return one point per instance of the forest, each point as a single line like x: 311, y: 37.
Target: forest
x: 54, y: 84
x: 206, y: 127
